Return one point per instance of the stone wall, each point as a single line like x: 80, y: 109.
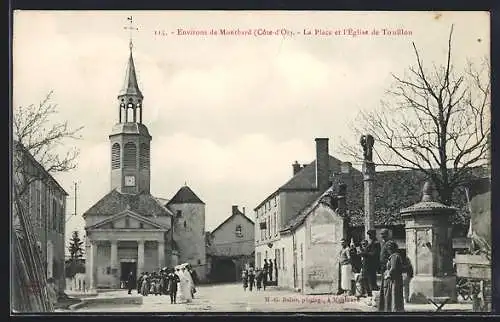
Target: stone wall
x: 189, y: 234
x: 324, y: 230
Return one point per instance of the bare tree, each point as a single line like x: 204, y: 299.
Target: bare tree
x: 433, y: 120
x: 38, y: 143
x: 38, y: 134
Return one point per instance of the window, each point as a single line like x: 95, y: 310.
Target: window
x: 115, y: 156
x: 179, y: 213
x: 301, y: 252
x: 239, y: 233
x: 275, y: 202
x: 127, y: 223
x: 141, y: 225
x: 199, y: 261
x: 130, y: 155
x: 112, y: 225
x: 144, y: 156
x: 185, y: 224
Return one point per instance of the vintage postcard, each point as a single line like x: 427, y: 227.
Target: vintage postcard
x: 239, y: 161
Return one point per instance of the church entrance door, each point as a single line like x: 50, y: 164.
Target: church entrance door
x: 126, y: 268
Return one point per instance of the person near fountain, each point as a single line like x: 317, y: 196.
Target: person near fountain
x: 393, y: 280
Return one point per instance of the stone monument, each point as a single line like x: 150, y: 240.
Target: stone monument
x: 369, y: 181
x: 429, y: 247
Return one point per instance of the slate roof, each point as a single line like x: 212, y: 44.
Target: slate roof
x: 185, y: 195
x: 115, y: 202
x: 394, y: 190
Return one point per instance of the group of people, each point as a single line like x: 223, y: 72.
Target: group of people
x: 178, y: 282
x: 359, y: 265
x: 259, y: 277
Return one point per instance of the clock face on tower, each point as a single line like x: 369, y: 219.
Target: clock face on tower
x: 129, y: 181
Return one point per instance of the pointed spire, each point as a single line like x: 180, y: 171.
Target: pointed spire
x: 130, y: 86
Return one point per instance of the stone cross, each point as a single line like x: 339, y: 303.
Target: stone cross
x: 367, y: 142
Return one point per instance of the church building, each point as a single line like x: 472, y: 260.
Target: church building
x: 129, y: 230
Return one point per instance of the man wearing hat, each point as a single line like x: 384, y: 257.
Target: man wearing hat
x: 373, y: 260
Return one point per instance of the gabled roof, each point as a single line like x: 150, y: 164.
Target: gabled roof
x: 234, y: 214
x: 127, y: 213
x: 185, y: 195
x: 115, y: 202
x: 305, y: 179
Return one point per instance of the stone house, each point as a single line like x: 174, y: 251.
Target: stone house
x: 313, y: 240
x: 231, y: 247
x: 308, y: 182
x: 45, y: 201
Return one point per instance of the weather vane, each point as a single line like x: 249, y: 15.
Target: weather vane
x: 131, y: 28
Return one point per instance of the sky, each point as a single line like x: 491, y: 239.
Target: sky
x: 228, y: 114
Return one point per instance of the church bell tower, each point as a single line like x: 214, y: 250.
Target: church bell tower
x: 130, y: 139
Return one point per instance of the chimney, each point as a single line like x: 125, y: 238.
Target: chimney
x: 234, y: 210
x: 322, y: 164
x: 296, y: 168
x: 243, y: 210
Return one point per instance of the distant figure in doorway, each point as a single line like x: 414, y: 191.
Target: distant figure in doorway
x: 393, y: 280
x: 266, y: 268
x: 345, y: 268
x: 270, y: 270
x: 265, y: 274
x: 130, y: 282
x: 372, y: 255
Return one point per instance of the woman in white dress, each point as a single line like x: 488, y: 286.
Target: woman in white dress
x: 185, y: 286
x: 180, y: 297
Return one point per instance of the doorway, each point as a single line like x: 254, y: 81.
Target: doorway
x: 224, y: 270
x: 126, y: 268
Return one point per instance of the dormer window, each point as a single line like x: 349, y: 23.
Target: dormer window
x: 179, y: 213
x: 127, y: 223
x: 238, y: 231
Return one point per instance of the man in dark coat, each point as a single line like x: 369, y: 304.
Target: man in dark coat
x: 372, y: 256
x: 270, y: 270
x: 275, y: 271
x: 385, y: 252
x: 172, y: 280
